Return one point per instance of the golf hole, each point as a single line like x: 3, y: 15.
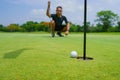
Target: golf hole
x: 82, y: 58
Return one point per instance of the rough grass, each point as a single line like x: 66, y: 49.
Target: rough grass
x: 36, y: 56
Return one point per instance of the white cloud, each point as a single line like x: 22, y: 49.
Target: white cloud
x: 38, y: 11
x: 110, y: 1
x: 39, y: 14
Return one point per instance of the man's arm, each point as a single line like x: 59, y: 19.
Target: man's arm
x: 67, y: 23
x: 48, y: 10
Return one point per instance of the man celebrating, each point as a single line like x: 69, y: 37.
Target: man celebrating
x: 57, y: 21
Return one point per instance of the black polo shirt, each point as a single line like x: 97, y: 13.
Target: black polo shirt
x: 59, y: 20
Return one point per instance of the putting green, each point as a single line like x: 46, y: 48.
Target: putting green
x: 37, y: 56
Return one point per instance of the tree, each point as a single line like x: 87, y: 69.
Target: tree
x: 118, y: 26
x: 44, y: 26
x: 1, y: 26
x: 74, y: 28
x: 79, y: 28
x: 40, y: 27
x: 88, y: 26
x: 29, y: 26
x: 13, y: 27
x: 107, y: 19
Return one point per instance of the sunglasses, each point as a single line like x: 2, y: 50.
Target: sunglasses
x: 59, y: 10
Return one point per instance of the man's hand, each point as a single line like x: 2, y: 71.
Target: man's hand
x: 66, y: 33
x: 48, y: 4
x: 48, y: 10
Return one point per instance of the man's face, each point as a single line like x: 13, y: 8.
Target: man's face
x: 59, y: 11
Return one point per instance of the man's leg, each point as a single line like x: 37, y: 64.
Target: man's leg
x: 52, y: 24
x: 59, y: 34
x: 66, y: 29
x: 60, y: 30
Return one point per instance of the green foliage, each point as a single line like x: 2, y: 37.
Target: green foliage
x: 113, y: 29
x: 75, y: 28
x: 42, y: 27
x: 88, y: 26
x: 1, y: 26
x: 99, y: 28
x: 29, y: 26
x: 12, y: 27
x: 118, y: 26
x: 107, y: 19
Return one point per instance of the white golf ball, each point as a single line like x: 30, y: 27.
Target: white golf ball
x: 73, y: 54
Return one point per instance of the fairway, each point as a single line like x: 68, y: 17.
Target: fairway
x: 37, y: 56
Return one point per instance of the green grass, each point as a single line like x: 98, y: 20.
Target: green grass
x: 37, y: 56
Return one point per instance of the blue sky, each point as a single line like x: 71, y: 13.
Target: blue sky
x: 20, y: 11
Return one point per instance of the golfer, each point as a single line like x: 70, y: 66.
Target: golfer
x: 57, y: 21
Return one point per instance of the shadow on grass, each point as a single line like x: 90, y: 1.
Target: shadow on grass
x: 14, y: 54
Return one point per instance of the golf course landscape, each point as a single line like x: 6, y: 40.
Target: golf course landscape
x: 37, y: 56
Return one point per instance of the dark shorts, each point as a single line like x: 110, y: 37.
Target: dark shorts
x: 59, y: 28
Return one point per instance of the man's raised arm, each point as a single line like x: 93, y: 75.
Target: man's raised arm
x: 48, y: 10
